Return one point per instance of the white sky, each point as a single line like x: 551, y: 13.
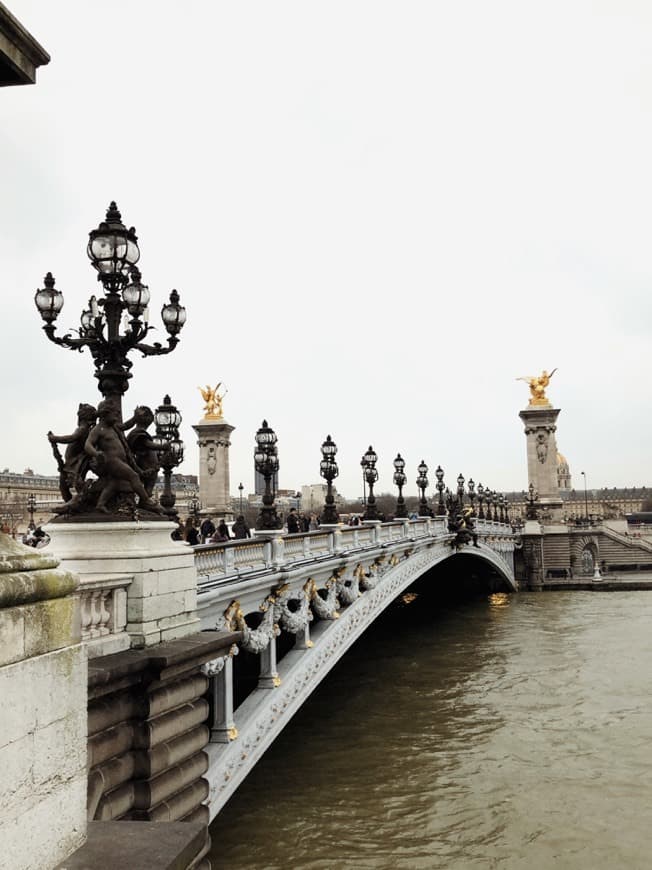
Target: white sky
x: 378, y: 215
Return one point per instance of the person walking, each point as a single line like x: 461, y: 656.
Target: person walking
x: 223, y: 529
x: 240, y: 528
x: 293, y: 522
x: 191, y: 535
x: 207, y: 529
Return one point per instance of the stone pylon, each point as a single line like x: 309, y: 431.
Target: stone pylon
x: 540, y: 427
x: 213, y: 438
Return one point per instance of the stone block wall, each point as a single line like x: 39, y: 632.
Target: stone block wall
x: 147, y: 731
x: 43, y: 676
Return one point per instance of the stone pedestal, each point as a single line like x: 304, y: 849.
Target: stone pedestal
x: 162, y: 597
x: 540, y: 428
x: 213, y: 438
x: 43, y: 676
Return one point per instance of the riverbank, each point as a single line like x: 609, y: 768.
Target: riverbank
x: 606, y: 583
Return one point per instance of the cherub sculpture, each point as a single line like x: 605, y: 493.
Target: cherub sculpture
x: 113, y: 462
x: 213, y: 400
x: 74, y: 465
x: 538, y: 387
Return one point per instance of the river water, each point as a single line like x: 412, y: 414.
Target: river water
x: 509, y: 731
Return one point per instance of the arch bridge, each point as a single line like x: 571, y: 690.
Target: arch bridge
x: 300, y: 602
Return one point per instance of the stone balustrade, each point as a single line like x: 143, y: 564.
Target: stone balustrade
x: 221, y: 561
x: 103, y: 608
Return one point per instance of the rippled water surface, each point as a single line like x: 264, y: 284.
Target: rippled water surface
x: 510, y: 731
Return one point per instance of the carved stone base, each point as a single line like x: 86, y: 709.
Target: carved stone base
x: 162, y: 598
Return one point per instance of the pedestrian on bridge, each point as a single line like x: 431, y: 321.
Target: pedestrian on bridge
x: 240, y: 528
x: 207, y: 529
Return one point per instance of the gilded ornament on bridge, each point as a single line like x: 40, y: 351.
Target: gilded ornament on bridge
x: 537, y: 385
x: 213, y: 400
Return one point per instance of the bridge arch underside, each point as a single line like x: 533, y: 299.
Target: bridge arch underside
x: 437, y: 571
x: 463, y: 575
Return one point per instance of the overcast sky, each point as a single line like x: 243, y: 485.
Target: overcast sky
x: 378, y: 215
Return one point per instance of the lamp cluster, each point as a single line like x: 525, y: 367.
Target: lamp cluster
x: 117, y: 322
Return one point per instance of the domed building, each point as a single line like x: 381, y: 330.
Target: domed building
x: 563, y: 474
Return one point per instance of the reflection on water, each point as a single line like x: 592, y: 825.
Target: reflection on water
x: 507, y: 732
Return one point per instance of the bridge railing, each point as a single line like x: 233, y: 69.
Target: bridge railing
x: 215, y: 562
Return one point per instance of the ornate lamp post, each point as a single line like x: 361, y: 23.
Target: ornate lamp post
x: 31, y: 507
x: 116, y: 323
x: 441, y: 506
x: 422, y: 484
x: 480, y: 501
x: 240, y: 488
x: 328, y: 470
x: 170, y: 450
x: 266, y: 462
x: 194, y: 508
x: 460, y: 489
x: 400, y: 479
x: 471, y: 488
x: 501, y: 508
x: 371, y: 476
x: 531, y: 500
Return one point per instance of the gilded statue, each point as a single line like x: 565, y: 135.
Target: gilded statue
x: 538, y: 386
x: 213, y: 400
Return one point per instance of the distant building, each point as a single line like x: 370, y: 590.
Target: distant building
x: 313, y: 498
x: 14, y: 491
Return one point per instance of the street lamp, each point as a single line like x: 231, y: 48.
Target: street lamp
x: 586, y: 498
x: 370, y: 475
x: 328, y: 470
x: 170, y: 450
x: 480, y: 501
x: 441, y: 507
x: 531, y: 508
x: 194, y: 507
x: 240, y: 487
x: 422, y: 484
x: 116, y: 323
x: 31, y: 507
x: 266, y: 462
x: 460, y: 489
x: 400, y: 479
x: 471, y: 488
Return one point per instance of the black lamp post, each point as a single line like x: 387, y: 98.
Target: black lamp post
x: 31, y: 507
x: 116, y: 323
x: 328, y: 470
x: 194, y: 508
x: 240, y: 487
x: 480, y: 501
x: 371, y: 476
x: 400, y: 479
x: 460, y: 489
x: 531, y: 509
x: 471, y: 488
x: 501, y: 508
x: 266, y: 462
x: 170, y: 450
x: 441, y: 507
x: 422, y: 484
x: 586, y: 499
